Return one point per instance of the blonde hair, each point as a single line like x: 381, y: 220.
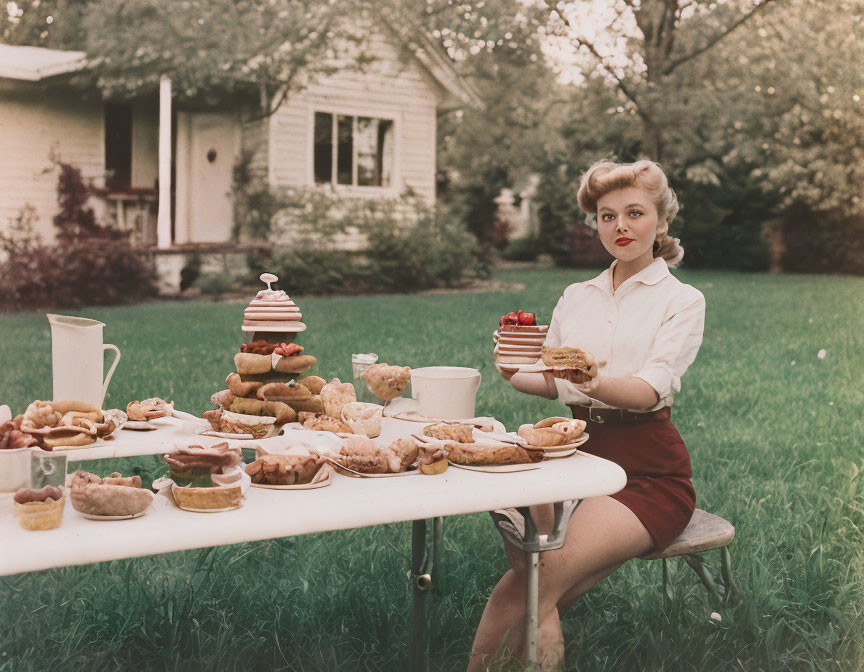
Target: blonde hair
x: 605, y: 177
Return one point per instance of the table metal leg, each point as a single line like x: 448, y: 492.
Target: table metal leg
x: 424, y: 566
x: 533, y: 544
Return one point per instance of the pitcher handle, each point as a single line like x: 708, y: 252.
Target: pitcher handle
x: 109, y: 346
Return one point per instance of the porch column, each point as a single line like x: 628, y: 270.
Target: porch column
x: 163, y: 220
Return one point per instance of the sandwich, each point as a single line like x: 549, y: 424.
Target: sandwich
x: 569, y: 358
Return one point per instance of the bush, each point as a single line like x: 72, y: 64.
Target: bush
x: 821, y: 242
x: 326, y: 244
x: 522, y: 249
x: 434, y: 251
x: 90, y: 264
x: 586, y: 250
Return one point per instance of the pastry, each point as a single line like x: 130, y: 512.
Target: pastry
x: 149, y: 409
x: 484, y: 454
x: 109, y: 496
x: 552, y: 432
x: 259, y: 426
x: 323, y: 423
x: 363, y: 418
x: 239, y: 388
x: 286, y: 392
x: 385, y: 381
x: 450, y: 431
x: 288, y: 469
x: 292, y: 364
x: 39, y: 509
x: 278, y: 409
x: 313, y: 383
x: 246, y: 362
x: 361, y: 454
x: 335, y: 395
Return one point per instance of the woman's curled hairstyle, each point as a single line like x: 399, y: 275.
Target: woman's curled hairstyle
x: 605, y: 176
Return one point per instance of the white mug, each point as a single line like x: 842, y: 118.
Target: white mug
x: 445, y: 392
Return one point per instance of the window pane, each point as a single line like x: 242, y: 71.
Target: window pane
x: 374, y: 151
x: 323, y: 148
x: 385, y: 151
x: 345, y: 161
x: 118, y: 145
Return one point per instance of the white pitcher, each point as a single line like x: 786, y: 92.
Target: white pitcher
x: 77, y: 359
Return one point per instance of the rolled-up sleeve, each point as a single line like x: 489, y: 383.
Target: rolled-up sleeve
x: 675, y: 346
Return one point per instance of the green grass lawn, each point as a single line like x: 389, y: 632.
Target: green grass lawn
x: 775, y: 435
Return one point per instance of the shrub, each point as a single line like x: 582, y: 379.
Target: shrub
x: 90, y: 264
x: 324, y: 243
x: 522, y: 249
x: 586, y: 250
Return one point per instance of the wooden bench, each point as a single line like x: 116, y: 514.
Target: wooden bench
x: 704, y: 532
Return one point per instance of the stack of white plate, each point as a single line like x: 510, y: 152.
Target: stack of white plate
x: 519, y: 344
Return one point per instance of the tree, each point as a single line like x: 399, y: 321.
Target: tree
x: 655, y: 50
x: 218, y: 47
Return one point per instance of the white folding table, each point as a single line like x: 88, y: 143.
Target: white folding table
x: 347, y: 503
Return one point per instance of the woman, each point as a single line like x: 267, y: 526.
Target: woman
x: 643, y: 327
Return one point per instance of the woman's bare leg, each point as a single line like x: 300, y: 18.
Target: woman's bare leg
x: 601, y: 536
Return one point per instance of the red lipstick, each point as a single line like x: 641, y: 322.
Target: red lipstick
x: 622, y: 241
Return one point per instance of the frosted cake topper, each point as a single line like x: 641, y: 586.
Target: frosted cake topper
x: 272, y: 310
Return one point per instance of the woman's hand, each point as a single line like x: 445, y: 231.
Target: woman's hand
x: 581, y: 380
x: 506, y: 374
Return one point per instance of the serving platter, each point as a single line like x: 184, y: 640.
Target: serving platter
x: 94, y: 516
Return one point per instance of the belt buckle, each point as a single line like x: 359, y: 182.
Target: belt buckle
x: 599, y: 419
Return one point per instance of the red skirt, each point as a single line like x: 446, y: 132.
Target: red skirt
x: 657, y: 464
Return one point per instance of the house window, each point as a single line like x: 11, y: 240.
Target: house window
x: 118, y: 145
x: 355, y: 151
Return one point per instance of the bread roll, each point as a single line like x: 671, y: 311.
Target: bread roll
x: 279, y: 410
x: 283, y: 392
x: 239, y: 388
x: 293, y: 364
x: 313, y: 383
x: 246, y: 362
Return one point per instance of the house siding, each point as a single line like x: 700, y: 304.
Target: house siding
x: 394, y: 86
x: 36, y: 125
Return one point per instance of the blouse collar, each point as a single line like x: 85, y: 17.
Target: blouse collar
x: 650, y: 275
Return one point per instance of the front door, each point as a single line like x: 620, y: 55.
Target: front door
x: 207, y: 146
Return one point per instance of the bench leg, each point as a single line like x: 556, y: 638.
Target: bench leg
x: 667, y: 587
x: 697, y: 565
x: 726, y: 573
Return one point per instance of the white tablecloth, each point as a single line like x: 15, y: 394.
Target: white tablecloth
x: 267, y: 514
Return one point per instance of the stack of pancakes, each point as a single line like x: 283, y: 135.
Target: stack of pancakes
x: 519, y: 344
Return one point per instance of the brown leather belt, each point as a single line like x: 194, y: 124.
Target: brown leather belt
x: 616, y: 416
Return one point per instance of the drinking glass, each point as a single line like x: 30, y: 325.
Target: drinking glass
x: 359, y: 364
x: 47, y: 468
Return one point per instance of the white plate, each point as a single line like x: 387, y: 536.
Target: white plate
x: 93, y: 516
x: 359, y: 474
x: 556, y: 456
x: 498, y: 468
x: 564, y: 447
x: 301, y: 486
x: 524, y: 368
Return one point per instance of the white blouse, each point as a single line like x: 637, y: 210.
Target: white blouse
x: 649, y: 328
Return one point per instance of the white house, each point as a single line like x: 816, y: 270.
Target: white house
x: 368, y: 132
